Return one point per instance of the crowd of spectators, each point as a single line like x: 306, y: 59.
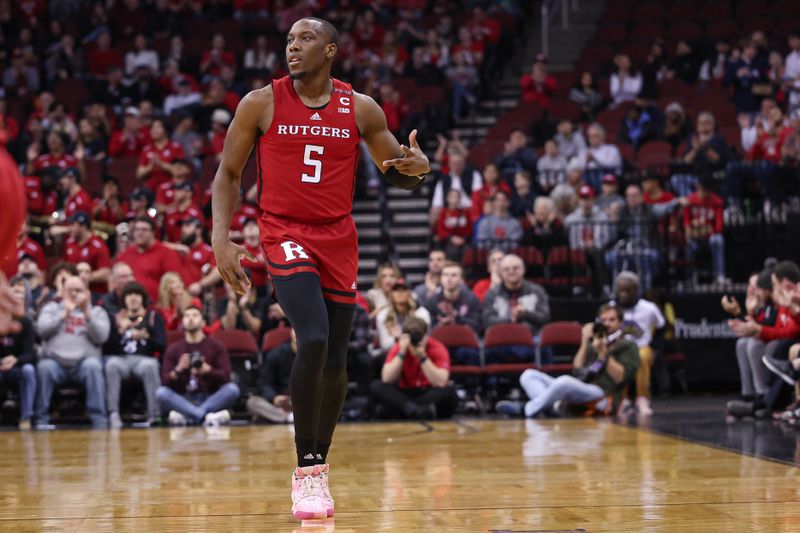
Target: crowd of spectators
x: 637, y: 181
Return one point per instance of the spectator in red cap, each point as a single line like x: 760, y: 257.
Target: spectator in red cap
x: 155, y: 163
x: 82, y: 245
x: 610, y: 202
x: 183, y: 209
x: 148, y: 257
x: 590, y: 230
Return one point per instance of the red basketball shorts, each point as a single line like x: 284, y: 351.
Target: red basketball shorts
x: 327, y: 250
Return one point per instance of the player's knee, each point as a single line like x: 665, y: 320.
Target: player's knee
x: 313, y: 343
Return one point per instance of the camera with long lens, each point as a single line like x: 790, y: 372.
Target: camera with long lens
x: 599, y: 330
x: 196, y: 360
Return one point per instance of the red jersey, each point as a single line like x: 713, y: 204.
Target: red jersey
x: 704, y: 211
x: 168, y: 153
x: 412, y: 376
x: 307, y: 159
x: 48, y: 160
x: 120, y: 146
x: 165, y: 194
x: 453, y: 222
x: 149, y: 265
x: 12, y: 191
x: 245, y: 213
x: 94, y: 251
x: 258, y: 269
x: 107, y: 215
x: 80, y: 201
x: 173, y: 218
x: 40, y: 203
x: 200, y: 255
x: 663, y: 198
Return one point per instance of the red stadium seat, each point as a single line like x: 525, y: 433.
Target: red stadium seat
x: 563, y: 338
x: 124, y: 169
x: 723, y: 28
x: 654, y: 154
x: 501, y: 335
x: 239, y: 343
x: 93, y: 179
x: 275, y: 337
x: 681, y: 10
x: 458, y: 336
x: 716, y: 10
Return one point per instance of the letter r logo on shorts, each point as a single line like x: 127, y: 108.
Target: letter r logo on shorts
x: 293, y: 251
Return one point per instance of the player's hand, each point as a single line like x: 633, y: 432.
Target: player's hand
x: 414, y: 162
x: 228, y: 255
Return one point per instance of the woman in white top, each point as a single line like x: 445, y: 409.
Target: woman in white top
x: 391, y: 318
x: 625, y: 84
x: 378, y: 295
x: 141, y: 56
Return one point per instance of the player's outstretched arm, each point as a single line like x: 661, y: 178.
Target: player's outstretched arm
x: 403, y: 166
x: 254, y: 112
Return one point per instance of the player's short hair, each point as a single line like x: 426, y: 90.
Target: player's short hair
x: 147, y: 220
x: 328, y: 29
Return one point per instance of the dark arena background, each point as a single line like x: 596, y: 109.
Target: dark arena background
x: 582, y: 151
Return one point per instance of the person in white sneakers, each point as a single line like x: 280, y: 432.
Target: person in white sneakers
x: 642, y: 322
x: 196, y: 373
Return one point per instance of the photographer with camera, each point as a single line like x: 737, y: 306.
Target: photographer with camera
x: 196, y: 374
x: 414, y: 379
x: 605, y: 364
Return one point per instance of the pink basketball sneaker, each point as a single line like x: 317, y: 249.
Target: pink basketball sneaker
x: 326, y: 493
x: 308, y: 499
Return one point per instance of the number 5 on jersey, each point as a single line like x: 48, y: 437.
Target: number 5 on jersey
x: 316, y: 164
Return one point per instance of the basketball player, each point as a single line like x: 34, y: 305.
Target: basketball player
x: 306, y: 128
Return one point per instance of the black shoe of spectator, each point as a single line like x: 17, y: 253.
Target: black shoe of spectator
x: 782, y: 367
x: 740, y: 409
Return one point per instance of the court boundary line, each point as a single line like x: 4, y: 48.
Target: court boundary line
x: 719, y: 447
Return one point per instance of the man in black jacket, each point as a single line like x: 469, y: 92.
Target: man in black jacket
x: 274, y: 403
x: 137, y: 337
x: 17, y: 358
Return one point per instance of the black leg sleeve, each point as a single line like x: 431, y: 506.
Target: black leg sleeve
x: 334, y: 375
x: 301, y: 299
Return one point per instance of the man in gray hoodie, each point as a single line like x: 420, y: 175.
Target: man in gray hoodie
x: 73, y: 332
x: 516, y: 300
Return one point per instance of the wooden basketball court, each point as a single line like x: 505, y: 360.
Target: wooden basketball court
x: 485, y: 475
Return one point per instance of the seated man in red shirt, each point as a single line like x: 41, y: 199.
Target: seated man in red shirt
x: 84, y: 246
x: 148, y: 257
x: 182, y: 209
x: 414, y: 378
